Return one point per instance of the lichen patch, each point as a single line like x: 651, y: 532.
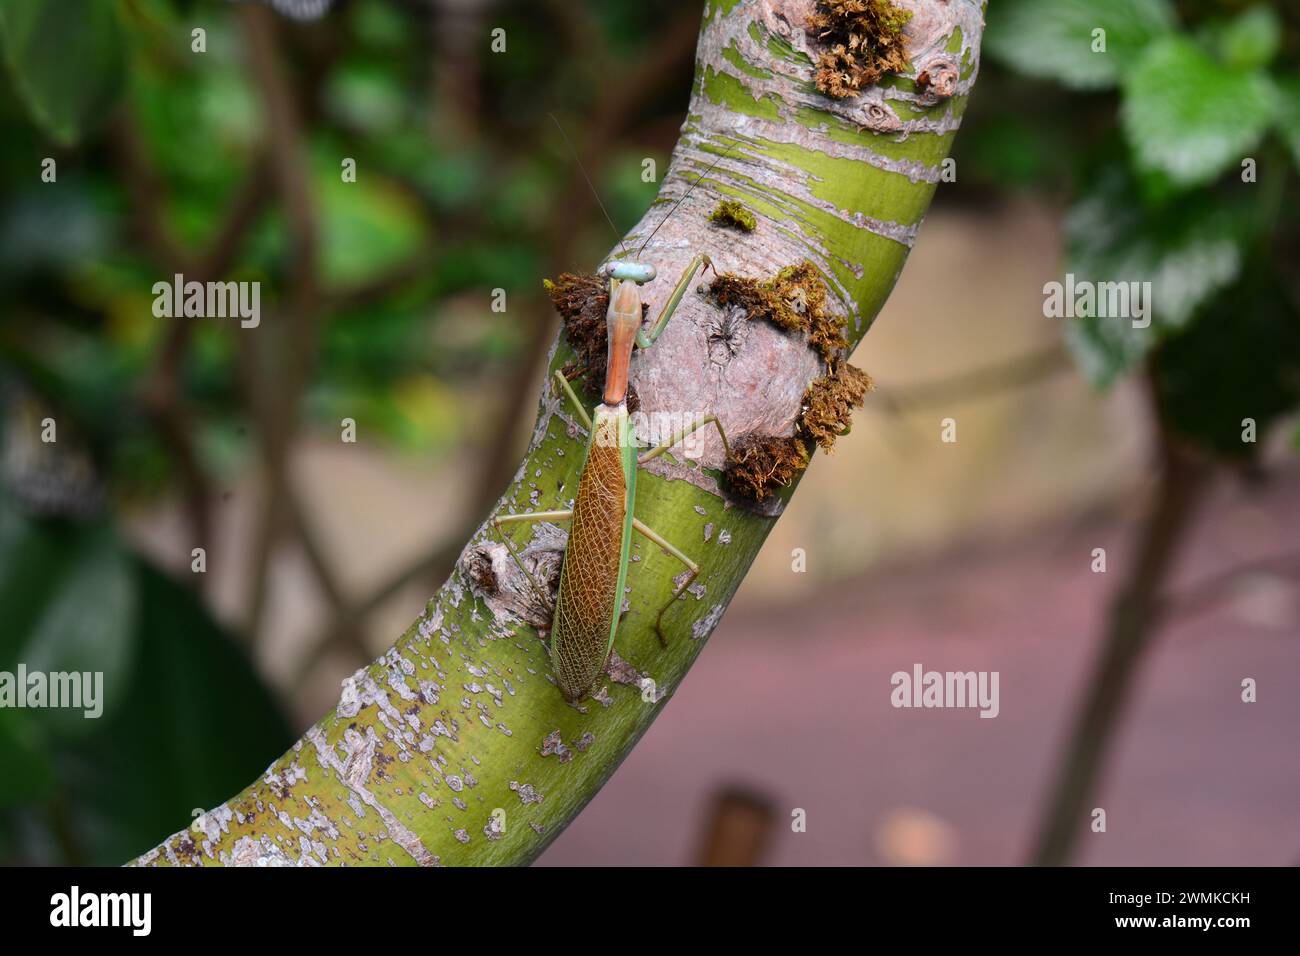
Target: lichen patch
x: 733, y: 214
x: 552, y: 744
x: 527, y: 792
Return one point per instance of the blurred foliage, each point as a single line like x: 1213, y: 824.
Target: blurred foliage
x: 459, y: 175
x: 1169, y: 130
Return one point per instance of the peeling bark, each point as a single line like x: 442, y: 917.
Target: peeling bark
x: 440, y: 751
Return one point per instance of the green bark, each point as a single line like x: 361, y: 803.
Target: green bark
x: 456, y: 747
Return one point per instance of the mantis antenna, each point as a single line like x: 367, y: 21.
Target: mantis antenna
x: 590, y: 185
x: 724, y: 155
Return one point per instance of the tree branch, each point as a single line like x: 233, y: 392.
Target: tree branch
x: 161, y: 395
x: 455, y: 746
x: 275, y: 397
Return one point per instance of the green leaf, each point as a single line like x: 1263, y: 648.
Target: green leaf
x: 27, y: 773
x: 192, y: 727
x: 1055, y: 39
x: 69, y: 602
x: 1288, y: 120
x: 1188, y: 250
x: 200, y: 726
x: 1249, y: 40
x: 66, y: 66
x: 1190, y: 117
x: 1239, y: 361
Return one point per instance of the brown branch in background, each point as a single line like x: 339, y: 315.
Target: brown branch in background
x: 985, y: 381
x: 245, y: 207
x: 981, y: 382
x: 291, y: 172
x: 269, y: 527
x: 336, y: 636
x: 146, y: 192
x: 1133, y: 619
x: 738, y: 829
x: 275, y: 411
x: 621, y: 98
x: 455, y: 29
x: 379, y: 288
x: 580, y: 31
x: 161, y: 395
x: 353, y: 635
x: 276, y: 361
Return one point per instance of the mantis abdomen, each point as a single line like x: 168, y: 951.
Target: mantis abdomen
x: 591, y: 578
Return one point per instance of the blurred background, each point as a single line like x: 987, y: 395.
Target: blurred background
x: 1171, y: 157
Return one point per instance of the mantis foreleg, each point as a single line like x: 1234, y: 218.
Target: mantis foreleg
x: 573, y: 399
x: 646, y: 339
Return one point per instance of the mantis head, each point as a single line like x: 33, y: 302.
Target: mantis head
x: 623, y: 321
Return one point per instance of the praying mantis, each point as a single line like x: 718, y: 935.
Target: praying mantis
x: 594, y: 571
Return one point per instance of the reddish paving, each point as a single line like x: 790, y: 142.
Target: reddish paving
x: 1197, y: 776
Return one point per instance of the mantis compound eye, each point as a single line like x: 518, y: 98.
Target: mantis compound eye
x: 625, y: 271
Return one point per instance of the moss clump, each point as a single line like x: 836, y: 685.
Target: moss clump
x: 582, y: 301
x: 829, y: 402
x: 863, y: 41
x: 794, y: 299
x: 734, y: 214
x: 761, y: 465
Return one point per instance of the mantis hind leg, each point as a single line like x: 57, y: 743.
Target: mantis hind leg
x: 499, y: 520
x: 681, y: 556
x: 678, y: 436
